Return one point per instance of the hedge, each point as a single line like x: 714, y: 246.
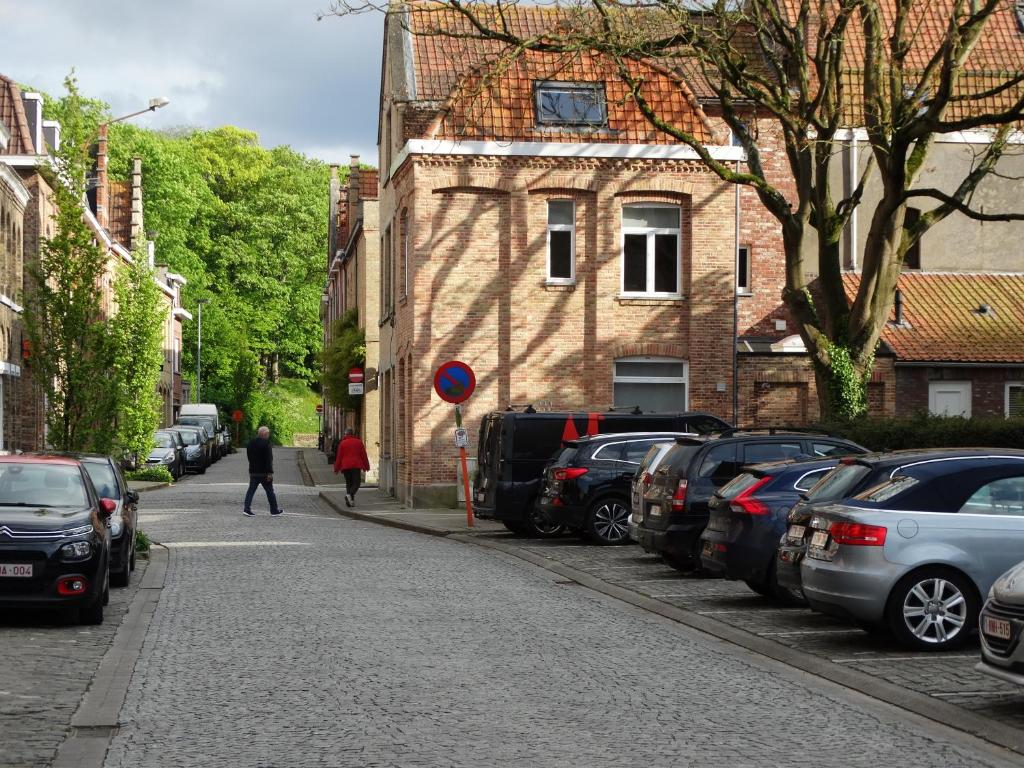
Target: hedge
x: 925, y: 431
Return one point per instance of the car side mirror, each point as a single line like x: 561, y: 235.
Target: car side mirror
x: 133, y: 496
x: 107, y: 508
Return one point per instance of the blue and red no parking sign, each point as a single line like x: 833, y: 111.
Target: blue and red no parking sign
x: 454, y: 382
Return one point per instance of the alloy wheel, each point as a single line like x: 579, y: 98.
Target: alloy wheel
x: 543, y: 526
x: 935, y: 610
x: 610, y: 522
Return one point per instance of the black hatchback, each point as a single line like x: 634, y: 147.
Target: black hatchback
x: 54, y: 538
x: 674, y: 507
x: 748, y: 517
x: 587, y: 487
x: 110, y: 484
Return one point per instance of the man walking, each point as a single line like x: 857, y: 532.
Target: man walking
x: 352, y: 461
x: 261, y: 471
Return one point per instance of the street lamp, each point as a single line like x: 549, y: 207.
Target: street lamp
x: 154, y: 105
x: 199, y: 350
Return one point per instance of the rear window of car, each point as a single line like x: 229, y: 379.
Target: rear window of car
x: 888, y: 489
x: 678, y: 458
x: 102, y: 476
x: 839, y: 483
x: 739, y: 484
x: 565, y: 456
x: 651, y: 457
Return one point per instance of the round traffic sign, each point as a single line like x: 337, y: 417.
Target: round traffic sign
x: 319, y: 408
x: 237, y: 416
x: 454, y: 382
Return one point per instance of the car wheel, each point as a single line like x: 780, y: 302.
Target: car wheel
x: 202, y: 470
x: 608, y: 522
x: 932, y: 609
x: 93, y: 613
x: 540, y: 526
x: 131, y: 546
x: 783, y: 595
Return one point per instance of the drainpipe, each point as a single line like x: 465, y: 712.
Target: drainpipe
x: 736, y: 307
x: 853, y: 185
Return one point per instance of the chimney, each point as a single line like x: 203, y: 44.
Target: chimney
x: 33, y: 103
x: 138, y: 233
x: 102, y: 188
x: 898, y: 307
x: 51, y: 134
x: 353, y: 181
x: 332, y: 216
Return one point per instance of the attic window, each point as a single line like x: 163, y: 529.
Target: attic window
x: 576, y: 104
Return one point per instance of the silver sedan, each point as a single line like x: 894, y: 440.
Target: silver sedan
x: 1002, y: 626
x: 917, y: 552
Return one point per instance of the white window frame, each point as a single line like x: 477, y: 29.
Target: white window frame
x: 745, y: 289
x: 684, y: 379
x: 651, y: 233
x: 1006, y: 401
x: 571, y: 229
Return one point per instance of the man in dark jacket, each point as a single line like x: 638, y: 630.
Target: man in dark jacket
x: 261, y: 471
x: 352, y: 461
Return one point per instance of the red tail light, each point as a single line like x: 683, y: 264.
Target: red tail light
x: 569, y: 473
x: 679, y: 497
x: 858, y: 534
x: 646, y: 479
x: 744, y: 505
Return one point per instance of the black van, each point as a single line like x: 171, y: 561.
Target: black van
x: 515, y: 446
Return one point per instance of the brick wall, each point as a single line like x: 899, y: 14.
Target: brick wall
x: 988, y: 387
x: 479, y: 293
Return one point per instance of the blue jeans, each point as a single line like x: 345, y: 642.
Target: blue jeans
x: 268, y: 485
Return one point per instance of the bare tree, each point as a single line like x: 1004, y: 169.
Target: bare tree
x: 903, y: 71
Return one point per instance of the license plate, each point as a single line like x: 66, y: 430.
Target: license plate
x: 796, y: 532
x: 819, y: 539
x: 998, y: 628
x: 16, y: 570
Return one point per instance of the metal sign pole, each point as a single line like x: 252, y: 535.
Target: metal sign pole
x: 465, y: 470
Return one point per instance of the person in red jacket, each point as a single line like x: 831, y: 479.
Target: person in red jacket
x: 352, y: 462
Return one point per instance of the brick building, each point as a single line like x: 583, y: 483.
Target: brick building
x: 537, y: 228
x: 353, y: 282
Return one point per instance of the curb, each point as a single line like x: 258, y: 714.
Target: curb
x: 307, y: 477
x: 95, y: 722
x: 920, y: 704
x: 145, y: 488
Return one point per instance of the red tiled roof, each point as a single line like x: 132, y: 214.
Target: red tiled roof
x: 12, y: 113
x: 120, y: 212
x: 489, y: 96
x: 941, y: 321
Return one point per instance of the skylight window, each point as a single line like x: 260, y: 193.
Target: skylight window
x: 574, y: 104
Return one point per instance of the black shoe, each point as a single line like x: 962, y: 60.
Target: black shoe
x: 248, y: 513
x: 348, y: 500
x: 278, y: 512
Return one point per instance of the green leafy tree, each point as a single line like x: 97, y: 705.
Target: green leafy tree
x: 137, y: 333
x: 71, y: 346
x: 347, y: 350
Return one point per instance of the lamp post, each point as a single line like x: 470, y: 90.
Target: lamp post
x: 199, y: 351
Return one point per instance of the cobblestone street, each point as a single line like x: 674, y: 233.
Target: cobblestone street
x: 313, y: 640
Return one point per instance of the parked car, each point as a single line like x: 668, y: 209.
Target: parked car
x: 210, y: 424
x: 55, y: 551
x: 210, y: 419
x: 674, y: 508
x: 916, y: 552
x: 641, y: 479
x: 123, y: 521
x: 515, y: 446
x: 851, y: 476
x: 168, y: 451
x: 1001, y: 624
x: 587, y: 487
x: 197, y: 447
x: 748, y: 517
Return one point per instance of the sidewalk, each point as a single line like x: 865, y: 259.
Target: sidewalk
x: 371, y: 505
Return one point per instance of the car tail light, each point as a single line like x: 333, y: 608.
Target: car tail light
x: 646, y: 479
x: 744, y: 505
x: 72, y: 585
x: 569, y: 473
x: 679, y: 497
x: 858, y: 534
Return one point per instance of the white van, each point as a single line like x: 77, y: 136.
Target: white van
x: 205, y: 414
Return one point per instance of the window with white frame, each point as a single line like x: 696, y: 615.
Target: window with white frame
x: 657, y: 384
x: 561, y: 241
x: 743, y: 269
x: 1014, y: 399
x: 650, y: 250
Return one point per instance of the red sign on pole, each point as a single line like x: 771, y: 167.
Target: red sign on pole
x: 237, y: 416
x: 319, y: 408
x: 355, y: 375
x: 454, y: 382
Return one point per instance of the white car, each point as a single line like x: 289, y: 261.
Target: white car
x: 1002, y: 626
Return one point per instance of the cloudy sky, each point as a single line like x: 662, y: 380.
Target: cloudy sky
x: 264, y: 65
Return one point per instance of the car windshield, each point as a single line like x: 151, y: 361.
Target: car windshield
x: 102, y: 476
x: 190, y: 438
x: 53, y: 485
x: 163, y: 440
x: 839, y: 483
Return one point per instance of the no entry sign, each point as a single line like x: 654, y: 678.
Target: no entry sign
x: 454, y: 382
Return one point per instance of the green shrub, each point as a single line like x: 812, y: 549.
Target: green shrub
x: 924, y: 431
x: 150, y: 474
x: 142, y: 542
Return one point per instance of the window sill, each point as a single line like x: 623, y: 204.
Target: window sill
x: 559, y: 285
x: 744, y: 294
x: 641, y: 300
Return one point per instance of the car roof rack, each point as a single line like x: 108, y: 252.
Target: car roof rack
x: 633, y: 410
x: 776, y: 431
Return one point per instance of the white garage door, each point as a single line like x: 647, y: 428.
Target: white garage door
x: 949, y: 398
